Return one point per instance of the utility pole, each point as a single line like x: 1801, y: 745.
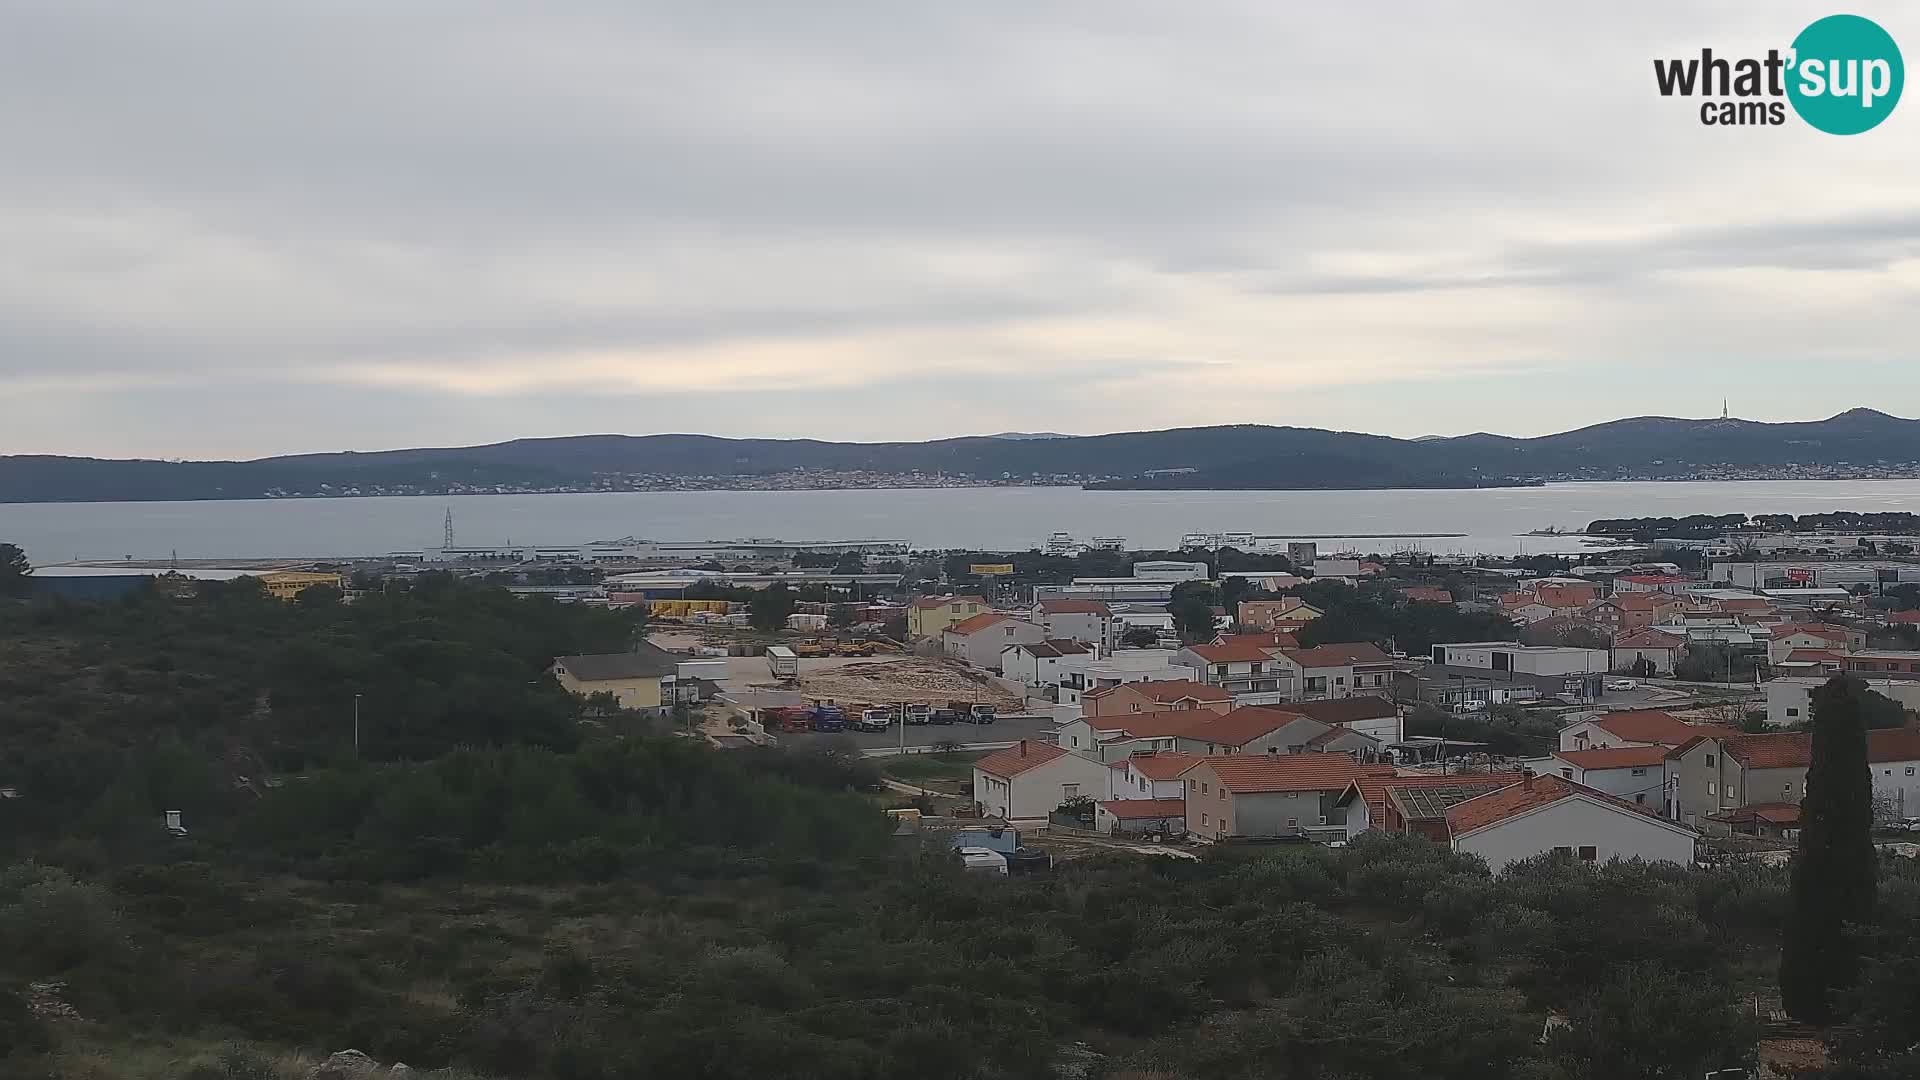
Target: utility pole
x: 356, y: 726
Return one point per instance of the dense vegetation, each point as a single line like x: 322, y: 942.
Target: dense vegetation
x: 1703, y: 526
x: 504, y: 884
x: 1375, y: 612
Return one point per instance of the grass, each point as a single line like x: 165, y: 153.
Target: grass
x: 920, y: 768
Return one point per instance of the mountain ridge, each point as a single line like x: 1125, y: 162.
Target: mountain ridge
x: 1222, y: 457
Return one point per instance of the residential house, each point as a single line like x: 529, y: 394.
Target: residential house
x: 1141, y: 817
x: 1883, y: 662
x: 1425, y: 594
x: 1087, y: 621
x: 1823, y: 637
x: 1414, y: 803
x: 1539, y: 814
x: 1169, y: 695
x: 1263, y: 614
x: 929, y: 616
x: 979, y: 640
x: 288, y: 584
x: 1257, y: 795
x: 1623, y: 613
x: 1030, y: 779
x: 636, y: 680
x: 1893, y: 757
x: 1122, y: 666
x: 1043, y: 663
x: 1638, y: 727
x: 1244, y: 665
x: 1258, y: 730
x: 1369, y: 714
x: 1553, y: 670
x: 1666, y: 583
x: 1648, y: 652
x: 1452, y: 687
x: 1114, y: 736
x: 1901, y: 618
x: 1338, y: 670
x: 1711, y: 774
x: 1149, y: 775
x: 1634, y: 773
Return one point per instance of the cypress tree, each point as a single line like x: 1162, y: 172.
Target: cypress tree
x: 1835, y: 870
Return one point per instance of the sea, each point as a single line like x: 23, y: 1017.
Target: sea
x: 1476, y: 521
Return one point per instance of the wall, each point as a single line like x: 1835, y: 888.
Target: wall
x: 1645, y: 788
x: 1576, y: 822
x: 1082, y: 626
x: 982, y: 648
x: 1897, y: 783
x: 633, y: 693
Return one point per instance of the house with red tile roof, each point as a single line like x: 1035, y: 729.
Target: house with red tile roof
x: 1640, y: 727
x: 1425, y: 594
x: 1149, y: 775
x: 1271, y: 795
x: 1713, y: 776
x: 1030, y: 779
x: 1273, y: 730
x: 1141, y: 817
x: 929, y: 616
x: 1540, y: 814
x: 1338, y: 670
x: 1902, y: 618
x: 1647, y: 652
x: 979, y: 640
x: 1637, y: 774
x: 1786, y: 638
x: 1412, y: 802
x: 1240, y: 664
x: 1624, y: 613
x: 1263, y: 614
x: 1666, y: 583
x: 1137, y: 717
x: 1088, y: 621
x: 1044, y: 663
x: 1156, y: 695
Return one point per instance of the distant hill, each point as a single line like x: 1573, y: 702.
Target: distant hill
x: 1229, y: 457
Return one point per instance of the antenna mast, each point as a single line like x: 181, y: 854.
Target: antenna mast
x: 446, y: 533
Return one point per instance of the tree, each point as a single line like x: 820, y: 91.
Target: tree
x: 1192, y: 610
x: 14, y: 571
x: 770, y: 607
x: 1140, y: 637
x: 851, y: 563
x: 1834, y: 871
x: 841, y: 616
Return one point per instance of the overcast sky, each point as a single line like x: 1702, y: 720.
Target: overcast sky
x: 243, y: 229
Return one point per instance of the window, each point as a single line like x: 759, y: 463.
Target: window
x: 1793, y: 712
x: 1203, y: 788
x: 1069, y: 791
x: 1203, y: 817
x: 1568, y: 773
x: 1589, y: 853
x: 1563, y: 850
x: 1073, y: 740
x: 1731, y: 793
x: 1712, y: 789
x: 1639, y: 772
x: 1909, y: 770
x: 1641, y: 798
x: 1193, y: 785
x: 1136, y: 706
x: 1786, y: 788
x: 1709, y: 761
x: 1223, y: 794
x: 1339, y: 680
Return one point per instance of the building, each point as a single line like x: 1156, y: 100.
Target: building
x: 1031, y: 779
x: 1711, y: 774
x: 1302, y: 552
x: 1666, y: 583
x: 1172, y: 695
x: 1044, y: 663
x: 979, y: 640
x: 1539, y: 814
x: 1526, y: 659
x: 1141, y: 817
x: 1648, y: 652
x: 1813, y: 573
x: 1639, y: 727
x: 929, y: 616
x: 637, y: 680
x: 1338, y: 670
x: 1335, y: 568
x: 1258, y: 730
x: 1265, y: 614
x: 1822, y: 636
x: 1626, y: 612
x: 1243, y: 664
x: 1790, y: 697
x: 1634, y: 773
x: 1169, y: 570
x: 287, y: 584
x: 1260, y: 795
x: 1089, y: 621
x: 1109, y: 739
x: 1413, y: 803
x: 1455, y: 688
x: 1149, y: 775
x: 1122, y: 666
x: 1893, y: 757
x: 1425, y: 594
x: 1884, y: 662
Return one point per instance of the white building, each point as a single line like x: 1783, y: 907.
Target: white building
x: 1169, y: 570
x: 1790, y: 697
x: 1151, y: 775
x: 1893, y: 757
x: 1031, y: 779
x: 1633, y: 773
x: 1123, y: 666
x: 978, y: 640
x: 1549, y: 813
x: 1525, y: 659
x: 1336, y: 568
x: 1044, y: 663
x: 1089, y: 621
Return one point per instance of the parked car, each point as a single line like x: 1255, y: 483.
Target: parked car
x: 1470, y: 707
x: 874, y: 720
x: 1622, y: 684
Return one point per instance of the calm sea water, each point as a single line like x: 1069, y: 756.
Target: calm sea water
x: 1490, y: 520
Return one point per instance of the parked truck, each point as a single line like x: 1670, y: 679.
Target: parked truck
x: 782, y: 662
x: 829, y: 717
x: 875, y: 719
x: 968, y: 712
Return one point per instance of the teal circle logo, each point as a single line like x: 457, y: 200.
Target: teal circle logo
x: 1846, y: 74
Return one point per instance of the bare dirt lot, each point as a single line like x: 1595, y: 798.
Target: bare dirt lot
x: 912, y: 679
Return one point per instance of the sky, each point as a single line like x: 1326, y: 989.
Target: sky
x: 240, y: 229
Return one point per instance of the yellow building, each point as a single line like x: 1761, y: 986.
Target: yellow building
x: 929, y: 616
x: 287, y: 584
x: 635, y: 679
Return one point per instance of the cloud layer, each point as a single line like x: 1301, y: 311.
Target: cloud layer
x: 244, y: 229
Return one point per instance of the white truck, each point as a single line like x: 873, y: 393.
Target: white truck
x: 782, y: 662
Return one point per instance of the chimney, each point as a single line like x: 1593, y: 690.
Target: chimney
x: 1526, y: 779
x: 1023, y: 748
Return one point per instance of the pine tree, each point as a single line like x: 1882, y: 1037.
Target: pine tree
x: 1835, y: 871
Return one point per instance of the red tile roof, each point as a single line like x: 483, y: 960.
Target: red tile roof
x: 1898, y: 617
x: 1894, y: 744
x: 1777, y: 750
x: 1649, y: 638
x: 1346, y: 710
x: 1140, y: 809
x: 1165, y: 765
x: 1019, y: 758
x: 1242, y: 726
x: 1813, y: 656
x: 1053, y: 647
x: 1623, y: 757
x: 1785, y: 815
x: 1532, y: 794
x: 1654, y: 726
x: 1246, y: 774
x: 1074, y: 607
x: 1641, y: 601
x: 1653, y: 579
x: 1427, y: 594
x: 976, y: 624
x: 1340, y: 654
x: 1235, y: 650
x: 1166, y: 690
